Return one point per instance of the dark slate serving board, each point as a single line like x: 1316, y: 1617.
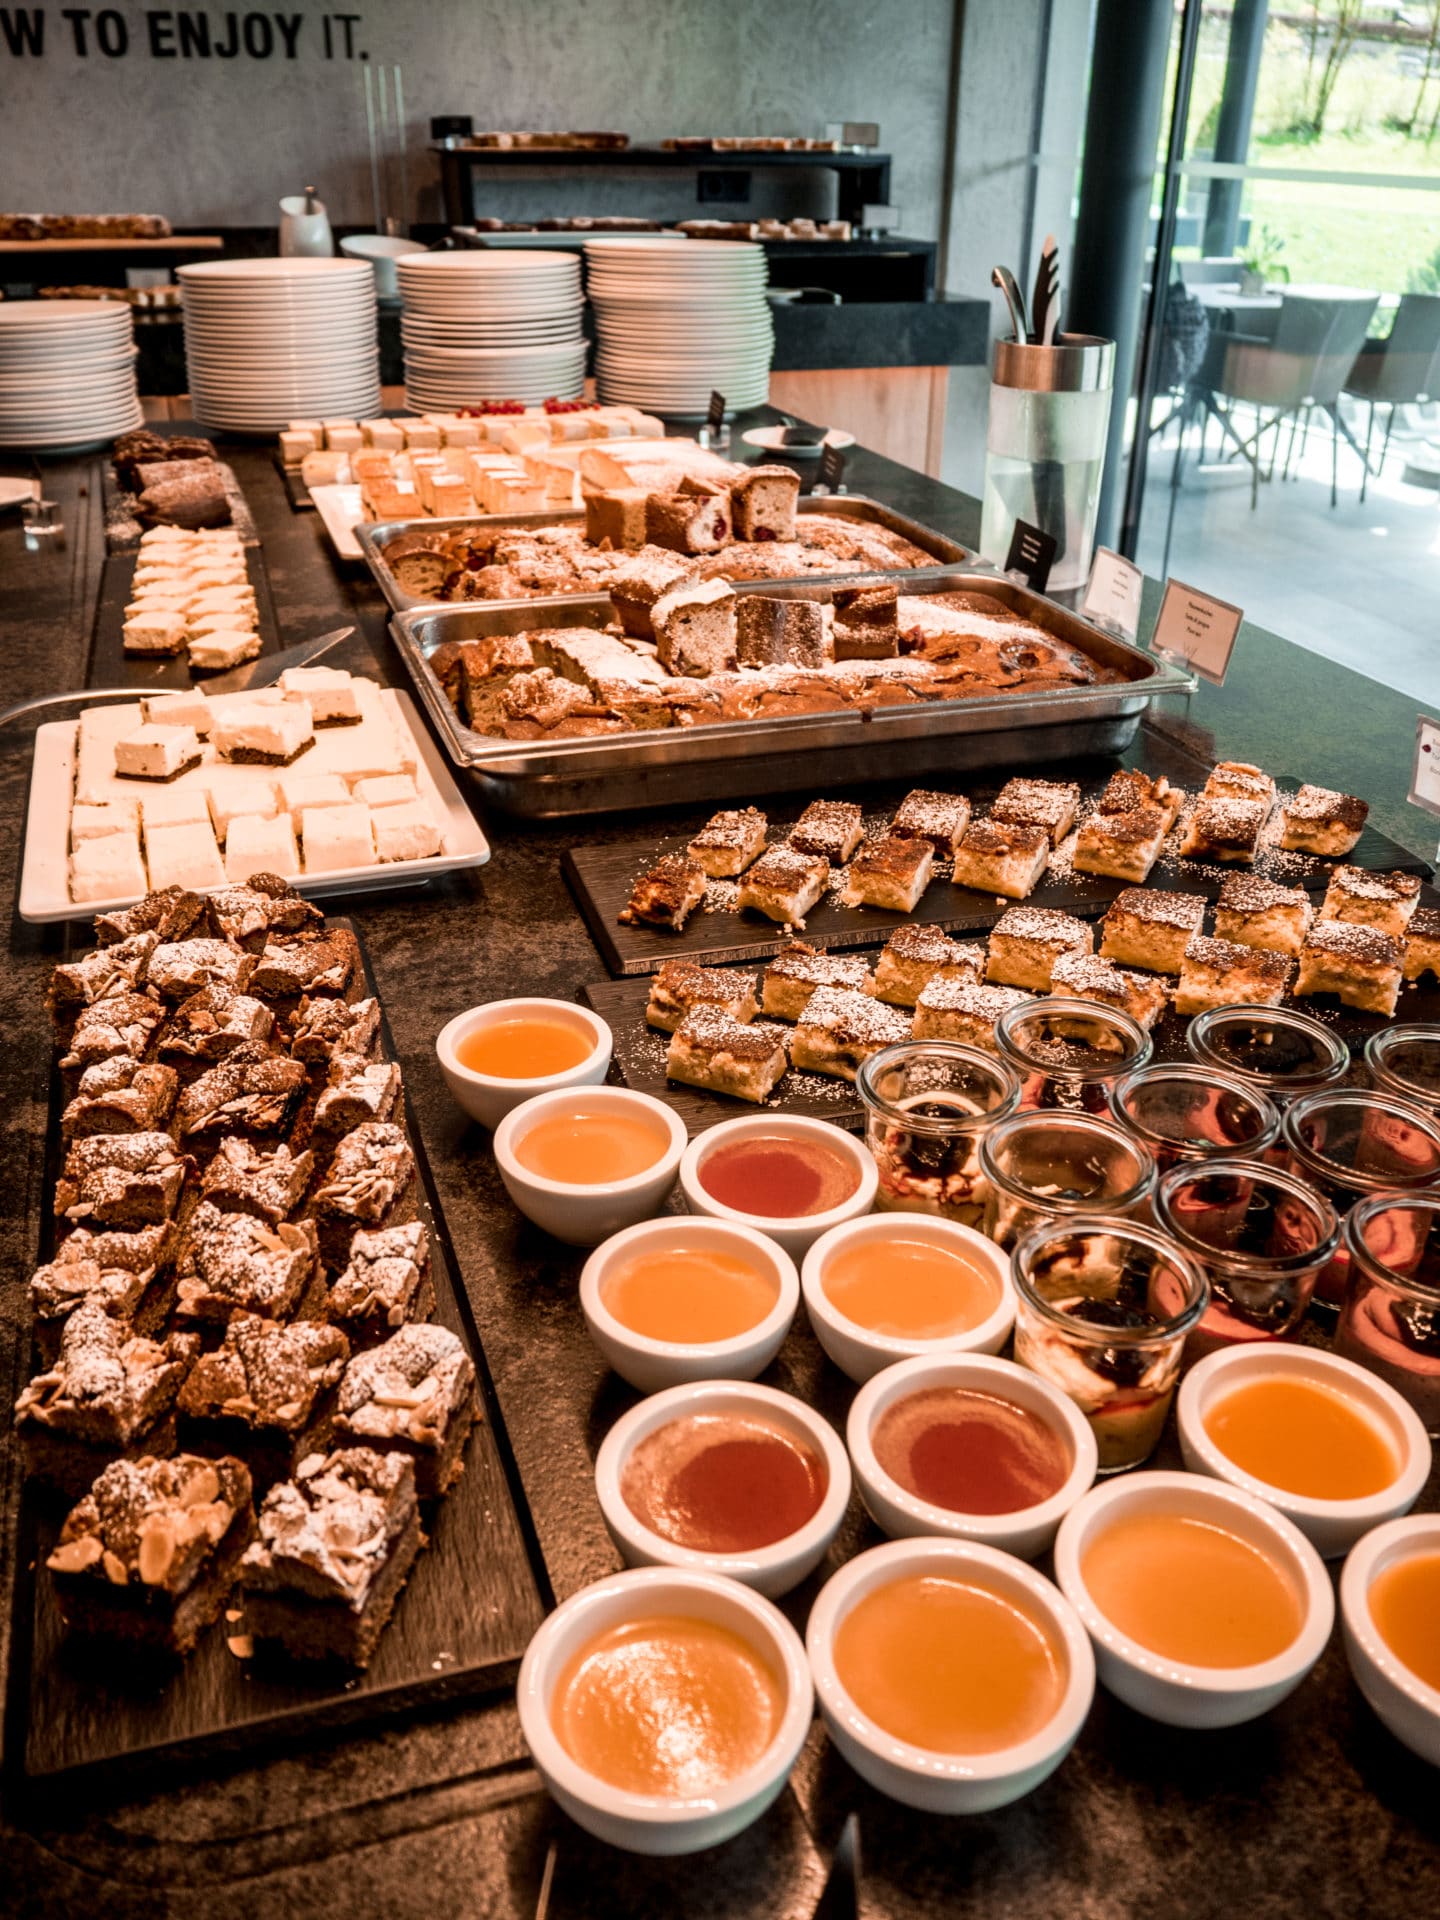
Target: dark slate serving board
x: 111, y: 666
x: 473, y: 1600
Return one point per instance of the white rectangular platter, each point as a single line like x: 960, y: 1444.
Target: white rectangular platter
x: 44, y: 874
x: 341, y: 511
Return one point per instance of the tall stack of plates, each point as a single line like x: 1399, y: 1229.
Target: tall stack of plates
x: 67, y: 373
x: 674, y: 323
x: 491, y: 326
x: 267, y: 341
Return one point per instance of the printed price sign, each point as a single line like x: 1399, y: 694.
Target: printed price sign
x: 716, y: 415
x: 1032, y: 554
x: 1425, y: 774
x: 832, y: 467
x: 1197, y: 628
x: 1112, y: 599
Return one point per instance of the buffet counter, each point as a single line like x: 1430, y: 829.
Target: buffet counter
x: 1313, y: 1806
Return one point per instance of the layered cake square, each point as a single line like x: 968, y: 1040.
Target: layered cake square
x: 742, y: 1058
x: 1259, y: 913
x: 1319, y: 820
x: 940, y: 818
x: 1001, y: 857
x: 793, y: 976
x: 1051, y: 804
x: 666, y: 894
x: 1422, y: 944
x: 679, y: 986
x: 840, y: 1027
x: 892, y: 873
x: 1025, y: 943
x: 1360, y: 964
x: 1122, y: 845
x: 784, y: 884
x: 1221, y: 973
x: 1223, y: 827
x: 964, y: 1010
x: 1151, y: 928
x: 1382, y: 900
x: 832, y: 828
x: 729, y: 842
x: 913, y: 956
x: 1085, y: 976
x: 1239, y: 780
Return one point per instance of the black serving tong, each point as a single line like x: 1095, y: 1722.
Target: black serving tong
x: 840, y: 1896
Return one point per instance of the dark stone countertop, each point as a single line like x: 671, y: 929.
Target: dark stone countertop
x: 1313, y: 1809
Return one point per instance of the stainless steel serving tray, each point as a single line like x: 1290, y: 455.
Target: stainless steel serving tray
x: 748, y: 757
x: 376, y: 535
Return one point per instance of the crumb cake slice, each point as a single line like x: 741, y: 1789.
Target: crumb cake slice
x: 1128, y: 790
x: 1422, y: 944
x: 840, y: 1027
x: 123, y: 1180
x: 251, y: 1092
x: 1382, y: 900
x: 1256, y: 912
x: 149, y: 1555
x: 965, y: 1010
x: 263, y: 1395
x: 1150, y: 928
x: 892, y: 873
x: 918, y: 954
x: 997, y: 856
x: 1221, y: 973
x: 268, y: 1183
x: 1025, y: 943
x: 122, y: 1023
x: 181, y: 967
x: 293, y: 965
x: 369, y: 1183
x: 265, y: 904
x: 742, y: 1058
x: 125, y: 1275
x: 677, y: 987
x: 729, y: 841
x: 1319, y: 820
x: 121, y: 1095
x: 665, y: 895
x: 335, y: 1548
x: 832, y: 828
x: 413, y: 1395
x: 168, y: 912
x: 940, y: 818
x: 1085, y: 976
x: 1360, y: 964
x: 107, y: 971
x: 1238, y: 780
x: 213, y: 1022
x: 234, y: 1263
x: 1224, y: 827
x: 792, y: 976
x: 357, y: 1090
x: 1121, y: 845
x: 324, y: 1026
x: 386, y: 1284
x: 784, y: 884
x: 1051, y: 804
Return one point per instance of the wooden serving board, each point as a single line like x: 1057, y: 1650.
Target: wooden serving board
x: 111, y: 666
x: 474, y: 1598
x: 717, y: 934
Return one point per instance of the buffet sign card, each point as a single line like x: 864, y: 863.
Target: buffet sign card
x: 1425, y: 774
x: 1032, y: 554
x: 1112, y: 599
x: 1198, y: 629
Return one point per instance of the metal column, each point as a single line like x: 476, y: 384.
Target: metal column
x: 1232, y: 129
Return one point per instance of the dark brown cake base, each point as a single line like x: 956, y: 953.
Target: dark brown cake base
x: 253, y: 757
x: 149, y: 1617
x: 71, y: 1466
x: 320, y: 1630
x: 161, y: 779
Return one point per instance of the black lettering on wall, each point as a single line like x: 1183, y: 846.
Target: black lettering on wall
x: 23, y: 30
x: 194, y: 36
x: 77, y: 16
x: 112, y: 35
x: 289, y: 25
x: 160, y: 28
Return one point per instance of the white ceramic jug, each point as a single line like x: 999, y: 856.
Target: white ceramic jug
x: 305, y: 225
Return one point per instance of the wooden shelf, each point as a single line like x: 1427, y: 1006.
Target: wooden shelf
x: 175, y: 243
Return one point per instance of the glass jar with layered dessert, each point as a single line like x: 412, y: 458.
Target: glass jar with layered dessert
x: 1188, y: 1114
x: 1047, y: 1166
x: 927, y: 1107
x: 1390, y: 1319
x: 1068, y: 1054
x: 1103, y: 1310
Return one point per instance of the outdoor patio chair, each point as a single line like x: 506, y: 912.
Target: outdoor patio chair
x: 1402, y: 370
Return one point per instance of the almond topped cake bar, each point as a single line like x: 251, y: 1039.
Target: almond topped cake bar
x: 892, y: 873
x: 386, y: 1284
x: 268, y: 1183
x: 1362, y: 965
x: 122, y: 1180
x: 729, y: 841
x: 917, y: 954
x: 998, y: 857
x: 1051, y: 804
x: 126, y: 1275
x: 214, y: 1022
x: 414, y: 1395
x: 666, y: 894
x: 1223, y: 827
x: 784, y: 884
x: 1150, y: 928
x: 965, y: 1010
x: 1383, y: 900
x: 678, y: 986
x: 1258, y: 913
x: 1238, y: 780
x: 1319, y: 820
x: 1122, y: 845
x: 1422, y: 944
x: 840, y: 1027
x: 121, y: 1095
x: 1220, y: 973
x: 741, y: 1058
x: 795, y: 974
x: 833, y: 828
x: 940, y: 818
x: 1025, y: 943
x: 234, y: 1263
x: 1085, y: 976
x: 263, y: 1395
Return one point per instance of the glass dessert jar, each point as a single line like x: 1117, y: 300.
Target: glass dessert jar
x: 1044, y: 1166
x: 1406, y: 1060
x: 928, y: 1104
x: 1103, y: 1310
x: 1191, y: 1114
x: 1283, y: 1053
x: 1346, y: 1143
x: 1069, y: 1053
x: 1261, y: 1234
x: 1390, y: 1321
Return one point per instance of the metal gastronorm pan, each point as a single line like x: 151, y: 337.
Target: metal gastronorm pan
x: 375, y: 536
x: 749, y: 757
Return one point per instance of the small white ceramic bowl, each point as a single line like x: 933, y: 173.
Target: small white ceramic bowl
x: 1027, y: 1531
x: 652, y: 1364
x: 651, y: 1823
x: 583, y: 1216
x: 1408, y: 1707
x: 1332, y: 1526
x: 918, y: 1776
x: 1173, y: 1691
x: 798, y: 1233
x: 771, y: 1570
x: 485, y: 1096
x: 859, y: 1351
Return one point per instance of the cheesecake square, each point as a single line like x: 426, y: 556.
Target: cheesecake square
x: 915, y: 955
x: 1085, y: 976
x: 1051, y: 804
x: 385, y: 1285
x: 784, y: 884
x: 729, y: 842
x: 1224, y: 827
x: 107, y: 868
x: 1259, y: 913
x: 742, y: 1058
x: 272, y: 735
x: 793, y: 976
x: 1361, y: 964
x: 840, y: 1027
x: 940, y: 818
x: 1150, y: 928
x: 153, y: 752
x: 963, y: 1009
x: 892, y: 873
x: 1422, y: 944
x: 679, y: 986
x: 1383, y: 900
x: 1004, y: 857
x: 832, y: 828
x: 93, y: 820
x: 158, y: 629
x: 1025, y: 943
x: 406, y: 832
x: 1319, y: 820
x: 413, y: 1396
x: 1221, y: 973
x: 666, y: 894
x: 256, y: 843
x: 174, y: 807
x: 221, y: 648
x: 329, y: 692
x: 335, y: 838
x: 1122, y: 845
x: 184, y: 856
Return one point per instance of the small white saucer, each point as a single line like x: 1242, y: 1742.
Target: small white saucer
x: 772, y: 439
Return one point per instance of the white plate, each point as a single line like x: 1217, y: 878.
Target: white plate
x: 341, y: 510
x: 45, y: 874
x: 481, y: 266
x: 771, y: 439
x: 281, y: 267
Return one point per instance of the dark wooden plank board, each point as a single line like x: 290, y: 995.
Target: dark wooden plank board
x: 111, y: 666
x: 601, y: 879
x: 460, y: 1627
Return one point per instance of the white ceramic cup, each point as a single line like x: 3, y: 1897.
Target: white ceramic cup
x: 1173, y: 1691
x: 796, y: 1233
x: 1401, y: 1699
x: 1332, y: 1526
x: 918, y: 1776
x: 382, y: 250
x: 487, y: 1097
x: 651, y: 1823
x: 771, y: 1570
x: 583, y: 1216
x: 1025, y: 1532
x: 859, y: 1351
x: 651, y: 1364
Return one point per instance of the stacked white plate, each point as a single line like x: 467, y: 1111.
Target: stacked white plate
x: 675, y: 323
x: 67, y: 373
x: 491, y: 326
x: 268, y: 341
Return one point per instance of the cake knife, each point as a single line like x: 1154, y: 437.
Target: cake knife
x: 840, y: 1896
